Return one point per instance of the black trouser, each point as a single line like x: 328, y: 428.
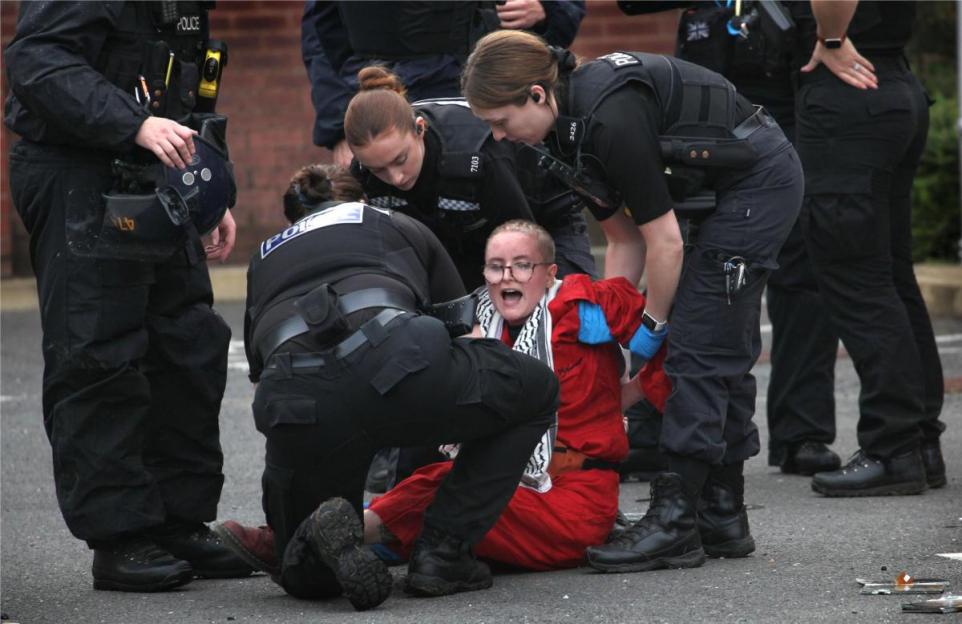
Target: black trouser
x: 861, y: 150
x: 135, y: 363
x: 801, y: 388
x: 417, y: 386
x: 714, y: 343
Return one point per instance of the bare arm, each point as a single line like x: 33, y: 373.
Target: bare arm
x: 665, y: 253
x: 625, y: 253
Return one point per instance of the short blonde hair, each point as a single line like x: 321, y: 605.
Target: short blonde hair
x: 541, y: 235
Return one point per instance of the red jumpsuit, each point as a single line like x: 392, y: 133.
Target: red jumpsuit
x: 551, y: 530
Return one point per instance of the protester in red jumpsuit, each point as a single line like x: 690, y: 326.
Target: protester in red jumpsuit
x: 568, y: 497
x: 552, y: 517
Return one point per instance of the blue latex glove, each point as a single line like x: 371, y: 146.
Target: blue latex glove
x: 593, y: 328
x: 645, y: 343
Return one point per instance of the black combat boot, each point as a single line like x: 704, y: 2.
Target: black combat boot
x: 807, y: 458
x: 722, y: 518
x: 934, y: 464
x: 196, y: 544
x: 442, y: 565
x: 865, y: 475
x: 337, y: 536
x: 138, y: 565
x: 666, y: 537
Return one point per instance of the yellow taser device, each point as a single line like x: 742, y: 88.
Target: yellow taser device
x: 214, y: 62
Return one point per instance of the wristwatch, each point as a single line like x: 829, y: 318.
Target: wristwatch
x: 652, y: 323
x: 832, y: 43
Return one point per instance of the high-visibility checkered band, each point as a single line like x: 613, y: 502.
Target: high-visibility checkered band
x: 457, y: 205
x: 387, y: 201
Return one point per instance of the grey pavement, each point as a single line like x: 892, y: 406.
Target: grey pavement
x: 810, y: 549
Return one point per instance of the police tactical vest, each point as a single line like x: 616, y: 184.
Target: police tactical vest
x: 287, y: 264
x: 460, y: 168
x: 695, y: 102
x: 164, y: 42
x: 405, y: 30
x: 698, y: 107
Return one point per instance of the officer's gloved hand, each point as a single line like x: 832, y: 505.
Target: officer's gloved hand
x: 593, y: 328
x: 645, y: 343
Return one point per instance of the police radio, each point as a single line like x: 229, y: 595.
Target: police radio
x: 214, y: 62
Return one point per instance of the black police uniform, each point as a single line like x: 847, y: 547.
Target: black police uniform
x: 801, y: 399
x: 329, y: 397
x: 470, y: 183
x: 714, y: 326
x: 861, y: 149
x: 135, y: 358
x: 425, y: 44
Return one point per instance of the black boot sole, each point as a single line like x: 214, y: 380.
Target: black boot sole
x: 231, y: 542
x: 895, y: 489
x: 169, y: 582
x: 692, y: 559
x: 337, y: 534
x: 732, y: 549
x: 432, y: 586
x: 936, y: 482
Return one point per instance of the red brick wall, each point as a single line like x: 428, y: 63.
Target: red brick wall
x: 266, y: 96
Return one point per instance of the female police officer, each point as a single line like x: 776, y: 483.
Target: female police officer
x: 612, y: 126
x: 347, y: 365
x: 436, y: 162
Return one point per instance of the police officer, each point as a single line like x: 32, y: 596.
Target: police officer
x: 755, y: 51
x: 424, y: 44
x: 862, y: 125
x: 347, y: 364
x: 135, y: 358
x: 437, y: 162
x: 689, y: 119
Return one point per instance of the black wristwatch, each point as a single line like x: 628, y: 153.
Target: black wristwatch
x: 651, y: 323
x: 832, y: 43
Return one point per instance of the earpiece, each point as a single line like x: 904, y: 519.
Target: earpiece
x: 536, y: 97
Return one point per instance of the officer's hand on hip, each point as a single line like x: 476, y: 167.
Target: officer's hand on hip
x: 169, y: 141
x: 645, y: 343
x: 593, y: 327
x: 517, y: 14
x: 219, y: 243
x: 846, y: 63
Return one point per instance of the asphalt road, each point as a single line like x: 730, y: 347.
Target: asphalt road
x: 810, y: 549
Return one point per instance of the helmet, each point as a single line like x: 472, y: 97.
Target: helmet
x: 202, y: 192
x: 145, y: 219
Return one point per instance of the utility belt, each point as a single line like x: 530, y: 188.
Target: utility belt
x: 564, y: 459
x: 322, y: 313
x: 735, y: 153
x: 373, y: 331
x: 686, y: 181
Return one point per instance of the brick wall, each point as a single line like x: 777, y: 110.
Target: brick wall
x: 266, y: 96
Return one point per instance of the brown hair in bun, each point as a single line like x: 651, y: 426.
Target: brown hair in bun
x: 377, y: 107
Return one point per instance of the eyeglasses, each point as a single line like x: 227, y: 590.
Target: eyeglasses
x: 520, y: 271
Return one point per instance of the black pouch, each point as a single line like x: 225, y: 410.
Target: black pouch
x: 325, y: 321
x: 457, y: 315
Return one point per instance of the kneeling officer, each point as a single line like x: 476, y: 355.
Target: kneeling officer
x: 347, y: 364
